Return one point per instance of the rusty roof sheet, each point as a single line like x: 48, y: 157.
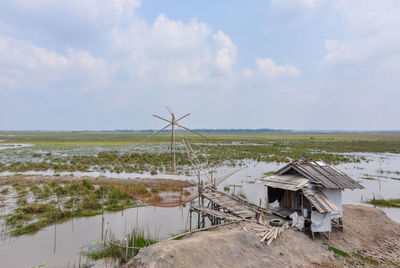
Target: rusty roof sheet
x: 319, y: 200
x: 321, y: 173
x: 287, y: 182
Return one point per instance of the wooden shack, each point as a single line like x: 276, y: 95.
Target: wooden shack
x: 307, y: 186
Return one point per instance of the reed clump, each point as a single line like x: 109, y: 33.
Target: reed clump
x: 115, y: 249
x: 58, y: 200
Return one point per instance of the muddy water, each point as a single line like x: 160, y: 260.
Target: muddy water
x: 59, y: 245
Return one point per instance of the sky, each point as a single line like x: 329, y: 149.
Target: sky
x: 111, y: 64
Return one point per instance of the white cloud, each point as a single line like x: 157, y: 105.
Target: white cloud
x: 226, y: 52
x: 374, y: 32
x: 25, y: 65
x: 165, y: 53
x: 286, y: 11
x: 91, y: 10
x: 248, y: 73
x: 174, y: 51
x: 271, y: 70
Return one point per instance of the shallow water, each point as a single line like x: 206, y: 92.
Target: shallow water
x: 4, y: 146
x: 71, y: 236
x: 60, y: 245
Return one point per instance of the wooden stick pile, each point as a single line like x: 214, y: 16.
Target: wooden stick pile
x: 268, y: 234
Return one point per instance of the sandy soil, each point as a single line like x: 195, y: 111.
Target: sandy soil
x: 367, y: 231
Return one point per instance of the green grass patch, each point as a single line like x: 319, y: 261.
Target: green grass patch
x: 5, y: 191
x: 30, y: 228
x: 366, y: 259
x: 368, y: 178
x: 389, y: 203
x: 339, y: 252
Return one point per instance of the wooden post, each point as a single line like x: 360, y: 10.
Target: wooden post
x: 173, y: 142
x: 105, y: 235
x: 127, y: 245
x: 102, y: 218
x: 267, y: 197
x: 202, y: 213
x: 302, y: 203
x: 190, y: 220
x: 198, y: 220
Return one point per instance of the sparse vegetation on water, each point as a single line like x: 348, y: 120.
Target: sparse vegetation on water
x: 242, y: 194
x: 390, y: 203
x: 5, y: 191
x: 368, y: 178
x: 58, y: 199
x: 135, y: 240
x: 77, y: 198
x: 43, y: 155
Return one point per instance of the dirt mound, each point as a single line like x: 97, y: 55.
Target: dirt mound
x: 369, y: 239
x: 370, y: 232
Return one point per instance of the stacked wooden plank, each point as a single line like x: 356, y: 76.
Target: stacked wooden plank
x: 287, y: 182
x: 271, y: 233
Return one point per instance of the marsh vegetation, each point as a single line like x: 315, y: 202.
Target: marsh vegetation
x: 125, y: 249
x: 389, y: 203
x: 49, y: 200
x: 96, y: 151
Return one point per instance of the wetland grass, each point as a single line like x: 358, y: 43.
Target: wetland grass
x: 280, y: 148
x: 389, y: 203
x: 135, y: 241
x: 242, y: 194
x: 5, y: 191
x: 78, y: 198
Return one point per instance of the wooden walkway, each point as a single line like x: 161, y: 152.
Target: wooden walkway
x: 227, y: 204
x: 215, y: 213
x: 224, y: 208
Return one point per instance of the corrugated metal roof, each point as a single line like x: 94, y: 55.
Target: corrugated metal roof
x: 319, y: 200
x: 287, y: 182
x: 319, y: 172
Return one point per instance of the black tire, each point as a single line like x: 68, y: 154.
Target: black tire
x: 276, y: 222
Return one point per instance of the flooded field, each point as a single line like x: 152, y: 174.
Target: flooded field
x: 64, y: 244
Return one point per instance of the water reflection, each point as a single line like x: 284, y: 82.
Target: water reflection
x: 61, y: 244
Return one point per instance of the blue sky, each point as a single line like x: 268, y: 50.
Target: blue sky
x: 101, y: 64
